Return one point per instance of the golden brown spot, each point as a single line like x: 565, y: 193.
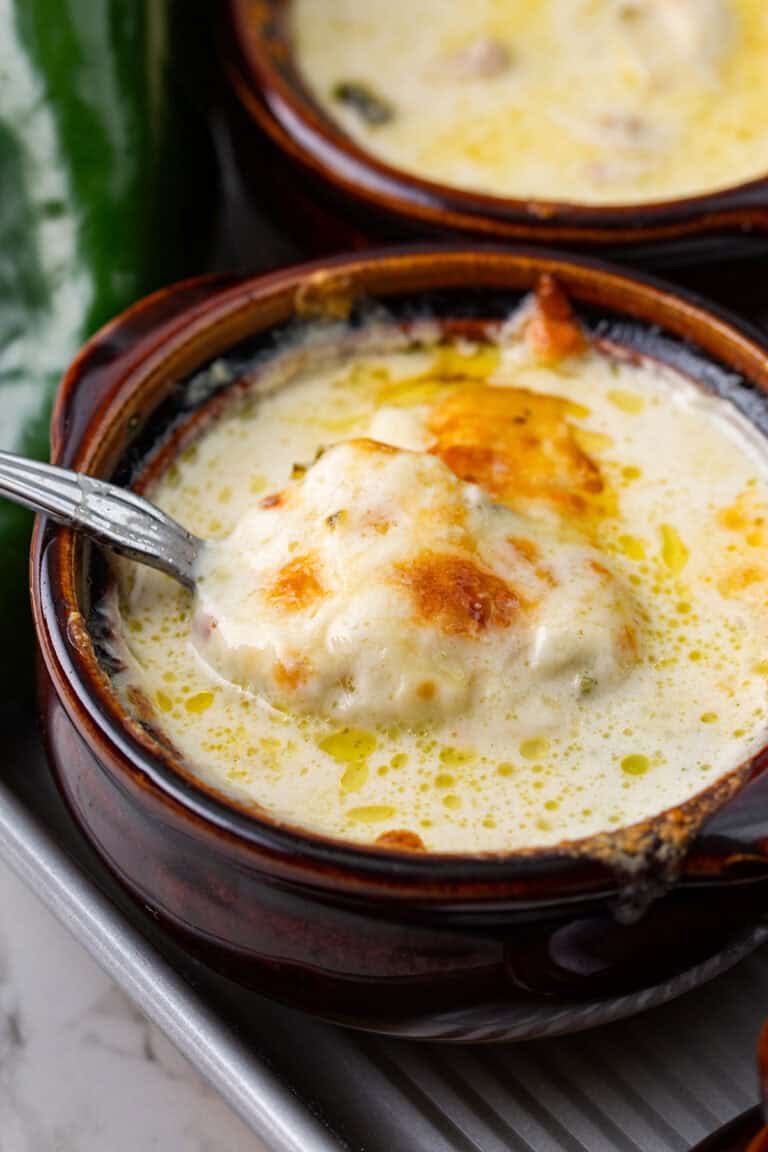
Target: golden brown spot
x: 377, y: 447
x: 553, y: 332
x: 546, y: 576
x: 528, y: 549
x: 297, y: 584
x: 290, y: 676
x: 628, y: 640
x: 456, y: 595
x: 332, y: 522
x: 601, y: 570
x: 426, y: 690
x: 531, y: 553
x: 274, y: 500
x: 517, y: 445
x: 401, y: 838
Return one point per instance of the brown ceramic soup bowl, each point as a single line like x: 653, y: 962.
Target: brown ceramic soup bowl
x: 330, y: 193
x: 418, y: 944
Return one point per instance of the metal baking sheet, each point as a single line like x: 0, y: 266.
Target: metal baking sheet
x: 657, y: 1083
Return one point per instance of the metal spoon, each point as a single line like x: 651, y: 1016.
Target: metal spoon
x: 115, y: 517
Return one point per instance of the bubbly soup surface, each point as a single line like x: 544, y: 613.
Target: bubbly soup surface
x: 593, y: 101
x: 462, y: 596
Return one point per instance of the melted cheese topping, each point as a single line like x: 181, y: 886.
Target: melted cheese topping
x: 544, y: 615
x: 592, y: 101
x: 378, y: 588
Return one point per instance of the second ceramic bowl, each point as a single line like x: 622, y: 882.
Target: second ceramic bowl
x: 330, y: 193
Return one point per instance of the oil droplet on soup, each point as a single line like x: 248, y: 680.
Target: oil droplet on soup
x: 636, y: 764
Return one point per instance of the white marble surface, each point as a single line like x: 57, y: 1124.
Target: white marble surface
x: 80, y: 1069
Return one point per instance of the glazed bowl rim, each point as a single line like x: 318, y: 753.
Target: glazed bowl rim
x: 288, y: 112
x: 578, y: 861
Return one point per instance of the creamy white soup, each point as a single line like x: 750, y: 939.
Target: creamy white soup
x: 462, y: 596
x: 594, y: 101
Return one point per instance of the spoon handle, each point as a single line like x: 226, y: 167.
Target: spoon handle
x: 115, y: 517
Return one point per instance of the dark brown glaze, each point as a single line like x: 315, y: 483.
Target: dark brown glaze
x: 314, y: 177
x: 384, y: 936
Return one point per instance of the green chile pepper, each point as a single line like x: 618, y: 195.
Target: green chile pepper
x: 105, y: 190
